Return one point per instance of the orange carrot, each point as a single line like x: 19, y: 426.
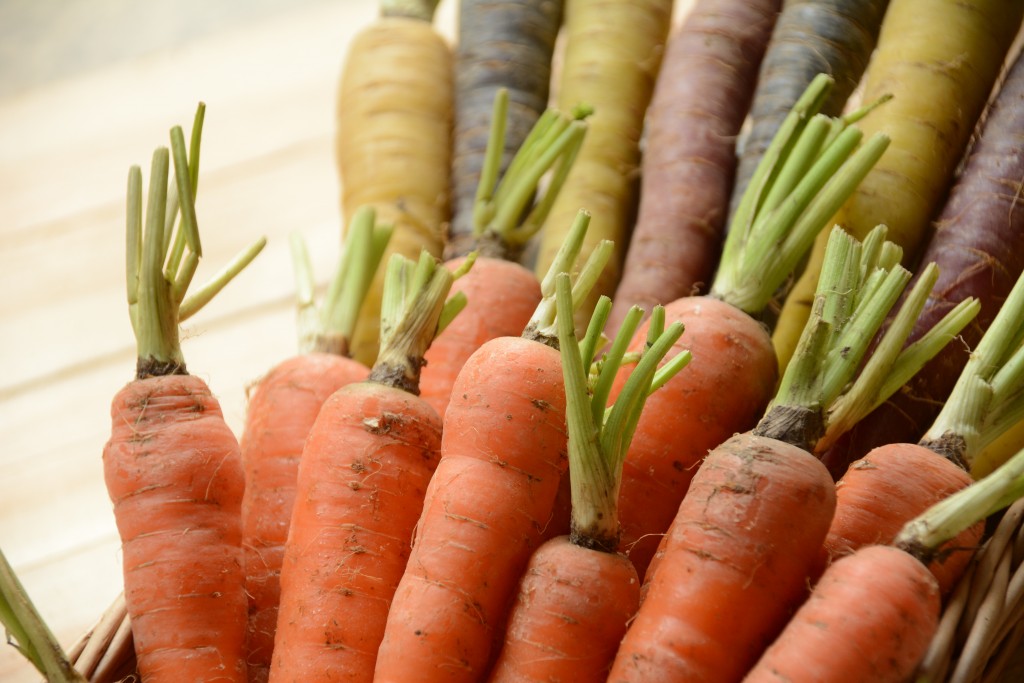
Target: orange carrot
x: 874, y: 613
x: 503, y: 453
x: 870, y: 618
x: 731, y: 379
x: 361, y: 480
x: 281, y: 412
x: 578, y: 593
x: 172, y: 465
x: 895, y: 482
x: 501, y: 294
x: 736, y: 563
x: 720, y: 592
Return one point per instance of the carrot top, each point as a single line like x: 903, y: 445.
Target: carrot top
x: 499, y: 225
x: 412, y: 9
x: 599, y: 437
x: 162, y: 260
x: 825, y: 389
x: 27, y: 631
x: 923, y: 535
x: 329, y: 328
x: 413, y: 312
x: 811, y: 167
x: 988, y: 398
x: 543, y: 325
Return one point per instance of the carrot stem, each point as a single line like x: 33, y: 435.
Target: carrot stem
x: 825, y: 390
x: 599, y: 439
x: 543, y: 325
x: 987, y: 398
x: 413, y: 300
x: 947, y: 518
x: 411, y: 9
x: 157, y: 281
x: 805, y: 175
x: 28, y: 632
x: 550, y: 147
x: 308, y: 319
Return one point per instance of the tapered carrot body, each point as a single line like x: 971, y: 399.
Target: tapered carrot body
x: 364, y: 471
x: 501, y: 296
x: 393, y: 143
x: 870, y: 618
x: 835, y: 37
x: 281, y: 412
x: 612, y: 55
x: 886, y: 489
x: 557, y: 630
x: 940, y: 70
x: 976, y: 242
x: 736, y: 564
x: 500, y: 44
x: 173, y: 471
x: 503, y: 452
x: 699, y: 104
x: 724, y: 390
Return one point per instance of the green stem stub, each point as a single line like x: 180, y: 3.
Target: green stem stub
x: 810, y: 169
x: 826, y: 389
x: 328, y: 328
x: 923, y: 535
x: 988, y: 397
x: 412, y: 309
x: 543, y: 324
x: 161, y: 260
x: 508, y: 211
x: 599, y: 437
x: 27, y: 631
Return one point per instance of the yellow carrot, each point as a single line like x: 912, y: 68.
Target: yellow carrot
x: 939, y: 60
x: 612, y: 55
x: 393, y: 144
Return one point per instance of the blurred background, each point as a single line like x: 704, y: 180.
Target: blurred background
x: 88, y: 88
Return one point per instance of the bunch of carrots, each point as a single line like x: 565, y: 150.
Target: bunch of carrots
x: 601, y: 391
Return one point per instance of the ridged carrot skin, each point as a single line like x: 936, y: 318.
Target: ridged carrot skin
x: 393, y: 144
x: 363, y: 475
x: 281, y: 411
x: 501, y: 296
x: 940, y: 70
x: 173, y: 470
x: 724, y: 390
x: 870, y: 618
x: 503, y: 453
x: 557, y: 630
x: 976, y: 244
x: 737, y: 561
x: 613, y: 51
x: 835, y: 37
x: 698, y: 107
x: 501, y: 43
x: 887, y: 488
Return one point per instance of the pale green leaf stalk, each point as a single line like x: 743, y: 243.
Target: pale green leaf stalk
x: 28, y: 633
x: 988, y: 398
x: 509, y: 210
x: 413, y: 304
x: 812, y: 166
x: 328, y: 328
x: 156, y: 293
x: 598, y: 437
x: 825, y: 388
x: 543, y: 324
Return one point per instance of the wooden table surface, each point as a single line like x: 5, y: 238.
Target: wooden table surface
x: 268, y: 78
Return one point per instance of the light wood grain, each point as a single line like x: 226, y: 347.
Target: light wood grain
x: 67, y: 347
